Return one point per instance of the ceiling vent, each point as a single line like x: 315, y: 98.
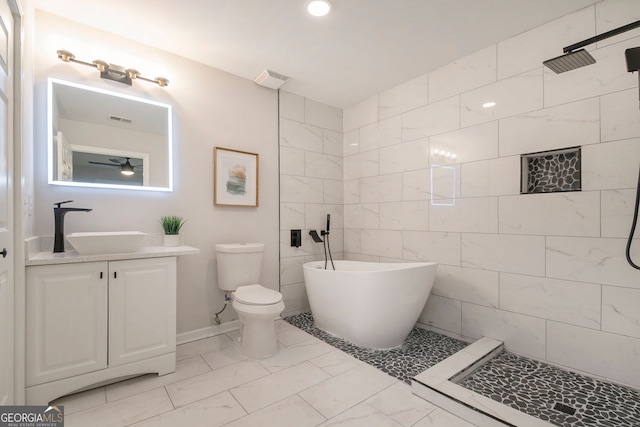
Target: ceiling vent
x: 121, y: 119
x: 271, y: 79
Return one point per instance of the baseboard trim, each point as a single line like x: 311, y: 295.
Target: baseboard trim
x: 210, y: 331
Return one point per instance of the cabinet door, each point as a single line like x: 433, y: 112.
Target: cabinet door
x: 66, y: 320
x: 142, y: 309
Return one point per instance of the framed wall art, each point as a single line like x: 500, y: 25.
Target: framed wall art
x: 235, y: 178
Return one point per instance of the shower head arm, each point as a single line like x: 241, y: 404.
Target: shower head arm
x: 602, y: 36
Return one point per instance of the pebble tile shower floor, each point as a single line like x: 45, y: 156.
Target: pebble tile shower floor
x: 524, y: 384
x: 536, y: 388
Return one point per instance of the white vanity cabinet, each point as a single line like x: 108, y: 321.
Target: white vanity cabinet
x: 95, y: 322
x: 66, y: 321
x: 142, y: 309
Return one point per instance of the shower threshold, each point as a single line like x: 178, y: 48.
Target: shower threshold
x: 488, y: 386
x: 438, y: 385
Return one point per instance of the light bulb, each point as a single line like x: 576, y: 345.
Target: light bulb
x: 318, y: 7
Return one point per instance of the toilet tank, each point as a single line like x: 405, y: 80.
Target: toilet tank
x: 238, y: 264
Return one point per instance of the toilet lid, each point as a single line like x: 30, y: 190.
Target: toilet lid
x: 257, y: 295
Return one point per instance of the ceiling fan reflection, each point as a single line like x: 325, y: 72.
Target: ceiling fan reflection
x: 126, y: 168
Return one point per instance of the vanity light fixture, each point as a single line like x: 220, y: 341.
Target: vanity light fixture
x: 318, y: 7
x: 444, y: 154
x: 111, y: 71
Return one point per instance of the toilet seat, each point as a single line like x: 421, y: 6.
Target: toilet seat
x: 257, y: 295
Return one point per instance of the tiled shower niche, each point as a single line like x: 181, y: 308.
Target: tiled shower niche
x: 551, y: 171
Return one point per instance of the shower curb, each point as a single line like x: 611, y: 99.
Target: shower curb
x: 438, y: 385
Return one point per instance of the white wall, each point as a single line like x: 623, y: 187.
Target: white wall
x: 545, y: 273
x: 310, y: 188
x: 211, y: 108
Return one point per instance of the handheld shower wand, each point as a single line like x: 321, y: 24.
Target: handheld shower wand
x: 326, y: 239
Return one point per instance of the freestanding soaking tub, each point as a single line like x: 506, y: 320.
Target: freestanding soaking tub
x: 372, y: 305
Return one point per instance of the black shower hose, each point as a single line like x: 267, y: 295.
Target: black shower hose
x: 326, y: 243
x: 633, y: 226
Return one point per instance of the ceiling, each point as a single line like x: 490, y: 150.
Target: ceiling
x: 363, y: 47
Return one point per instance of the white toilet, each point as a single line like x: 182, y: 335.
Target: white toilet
x: 239, y: 267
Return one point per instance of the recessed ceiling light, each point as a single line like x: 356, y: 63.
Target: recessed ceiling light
x: 318, y: 7
x: 489, y: 104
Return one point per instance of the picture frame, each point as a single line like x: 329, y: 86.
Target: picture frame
x: 235, y: 178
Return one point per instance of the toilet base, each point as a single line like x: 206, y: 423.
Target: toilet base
x: 258, y: 339
x: 258, y: 331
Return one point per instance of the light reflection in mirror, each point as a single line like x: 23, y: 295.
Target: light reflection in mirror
x: 95, y: 136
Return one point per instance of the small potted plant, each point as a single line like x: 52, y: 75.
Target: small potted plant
x: 172, y: 225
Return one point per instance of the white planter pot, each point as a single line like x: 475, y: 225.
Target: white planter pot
x: 172, y: 240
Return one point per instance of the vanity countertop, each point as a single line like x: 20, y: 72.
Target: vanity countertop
x: 39, y: 252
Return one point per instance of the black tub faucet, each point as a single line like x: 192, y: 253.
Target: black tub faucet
x: 58, y: 216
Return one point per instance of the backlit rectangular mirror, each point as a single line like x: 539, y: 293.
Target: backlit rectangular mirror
x: 104, y: 139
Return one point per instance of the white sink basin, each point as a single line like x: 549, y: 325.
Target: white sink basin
x: 106, y: 242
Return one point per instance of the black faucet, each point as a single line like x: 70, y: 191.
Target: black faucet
x: 58, y: 216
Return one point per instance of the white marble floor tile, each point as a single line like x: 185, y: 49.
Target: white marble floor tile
x: 123, y: 412
x: 307, y: 383
x: 290, y: 335
x: 399, y: 403
x: 290, y: 412
x: 193, y: 389
x: 339, y: 393
x: 211, y: 412
x: 267, y: 390
x: 224, y: 357
x: 442, y: 418
x: 84, y: 400
x: 295, y: 354
x: 185, y: 368
x: 335, y: 362
x: 362, y: 415
x: 194, y: 348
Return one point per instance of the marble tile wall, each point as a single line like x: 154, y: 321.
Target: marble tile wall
x: 311, y: 186
x: 431, y: 175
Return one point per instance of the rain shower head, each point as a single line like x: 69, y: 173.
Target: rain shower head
x: 576, y: 57
x: 569, y: 61
x: 632, y: 56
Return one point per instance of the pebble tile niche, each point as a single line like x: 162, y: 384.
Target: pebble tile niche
x: 551, y: 171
